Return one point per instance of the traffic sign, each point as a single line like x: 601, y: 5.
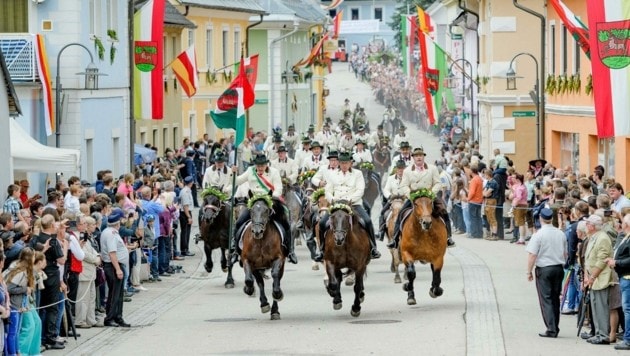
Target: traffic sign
x: 523, y: 113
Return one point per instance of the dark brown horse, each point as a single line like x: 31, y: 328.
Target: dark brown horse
x: 396, y: 204
x: 424, y: 240
x: 290, y: 193
x: 382, y: 159
x: 372, y: 186
x: 262, y: 250
x: 346, y: 246
x: 214, y: 228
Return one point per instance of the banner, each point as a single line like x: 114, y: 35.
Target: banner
x: 575, y: 26
x: 251, y: 69
x: 44, y: 76
x: 434, y: 69
x: 337, y: 24
x: 185, y: 68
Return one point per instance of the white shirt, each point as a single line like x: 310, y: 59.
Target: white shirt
x: 346, y: 186
x: 394, y: 188
x: 363, y: 156
x: 214, y: 177
x: 290, y: 140
x: 271, y: 175
x: 346, y: 144
x: 300, y: 155
x: 398, y: 139
x: 288, y: 168
x: 312, y: 162
x: 327, y: 139
x: 72, y: 204
x: 428, y: 178
x: 323, y: 175
x: 271, y: 152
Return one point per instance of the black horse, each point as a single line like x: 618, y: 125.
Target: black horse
x: 214, y: 228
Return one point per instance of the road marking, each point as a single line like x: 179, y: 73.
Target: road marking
x: 484, y: 335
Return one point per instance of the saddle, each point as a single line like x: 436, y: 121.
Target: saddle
x: 241, y: 232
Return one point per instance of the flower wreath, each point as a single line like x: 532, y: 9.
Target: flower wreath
x: 257, y: 197
x: 317, y: 194
x: 420, y: 193
x: 367, y: 165
x: 306, y: 175
x: 340, y: 206
x: 214, y: 191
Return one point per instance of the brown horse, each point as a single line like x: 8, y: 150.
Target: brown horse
x: 320, y: 210
x: 262, y: 250
x: 372, y: 187
x: 424, y: 240
x: 214, y: 228
x: 382, y: 159
x: 347, y: 246
x: 394, y: 209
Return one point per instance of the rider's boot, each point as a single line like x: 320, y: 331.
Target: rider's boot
x: 373, y: 250
x: 447, y: 222
x: 289, y: 242
x: 319, y: 257
x: 311, y: 244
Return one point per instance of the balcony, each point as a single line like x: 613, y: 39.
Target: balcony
x: 19, y: 53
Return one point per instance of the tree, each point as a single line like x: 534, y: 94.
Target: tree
x: 401, y: 9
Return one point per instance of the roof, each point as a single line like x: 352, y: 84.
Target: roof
x: 308, y: 10
x: 172, y: 17
x: 7, y: 84
x: 247, y: 6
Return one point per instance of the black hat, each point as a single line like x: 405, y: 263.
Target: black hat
x: 291, y: 127
x: 533, y: 162
x: 345, y: 157
x: 315, y: 144
x: 311, y: 128
x: 347, y: 100
x: 277, y: 139
x: 85, y: 183
x: 359, y: 141
x: 282, y: 149
x: 260, y: 159
x: 347, y: 130
x: 361, y: 128
x: 333, y: 154
x: 404, y: 144
x: 379, y: 126
x: 402, y: 127
x: 418, y: 151
x: 220, y: 157
x: 401, y: 164
x: 306, y: 140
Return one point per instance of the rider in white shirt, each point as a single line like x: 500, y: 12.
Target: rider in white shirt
x: 361, y: 134
x: 327, y: 137
x: 377, y: 136
x: 346, y: 143
x: 392, y: 188
x: 302, y: 153
x: 400, y: 136
x: 405, y: 154
x: 218, y: 175
x: 361, y: 155
x: 272, y: 150
x: 316, y: 159
x: 285, y: 165
x: 319, y: 180
x: 290, y: 138
x: 347, y: 184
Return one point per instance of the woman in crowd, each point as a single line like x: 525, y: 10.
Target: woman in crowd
x: 518, y: 195
x: 31, y: 328
x: 5, y: 308
x: 20, y: 284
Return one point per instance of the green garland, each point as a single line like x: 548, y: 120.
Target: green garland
x: 317, y: 194
x: 213, y: 191
x: 258, y: 197
x: 306, y: 175
x: 420, y: 193
x: 339, y: 206
x: 367, y: 165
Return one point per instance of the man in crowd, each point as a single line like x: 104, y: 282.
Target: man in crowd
x: 547, y: 251
x: 621, y: 263
x: 185, y: 215
x: 115, y: 257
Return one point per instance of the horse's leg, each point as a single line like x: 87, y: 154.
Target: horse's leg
x: 350, y: 278
x: 249, y: 279
x: 224, y: 263
x: 358, y: 294
x: 395, y: 263
x: 337, y: 297
x: 408, y: 287
x: 332, y: 285
x: 229, y: 281
x: 436, y: 268
x: 276, y: 274
x: 208, y: 251
x: 264, y: 304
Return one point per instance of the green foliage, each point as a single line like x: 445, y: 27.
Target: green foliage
x: 589, y: 85
x: 258, y: 197
x: 340, y: 206
x: 421, y: 193
x: 317, y: 194
x: 214, y: 191
x: 99, y: 48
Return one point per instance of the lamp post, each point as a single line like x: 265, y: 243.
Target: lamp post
x: 287, y: 76
x: 451, y: 85
x: 91, y: 83
x: 535, y: 95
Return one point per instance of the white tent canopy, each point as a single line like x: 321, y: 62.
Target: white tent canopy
x: 31, y: 156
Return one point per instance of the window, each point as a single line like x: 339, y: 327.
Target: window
x: 143, y: 138
x: 164, y: 140
x: 191, y: 37
x: 192, y: 123
x: 89, y: 153
x: 95, y: 17
x: 565, y: 45
x: 569, y: 149
x: 606, y: 155
x: 225, y: 43
x: 237, y: 44
x: 112, y: 15
x: 576, y: 57
x: 155, y: 137
x: 332, y: 13
x: 378, y: 13
x: 354, y: 14
x: 14, y: 16
x: 209, y: 125
x: 174, y: 52
x: 552, y: 31
x: 209, y: 52
x: 176, y: 142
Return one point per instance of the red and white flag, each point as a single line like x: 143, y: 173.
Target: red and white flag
x: 609, y: 32
x: 575, y: 26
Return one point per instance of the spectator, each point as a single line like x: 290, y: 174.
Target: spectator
x: 115, y: 256
x: 12, y: 204
x: 621, y: 263
x: 475, y: 200
x: 518, y: 195
x: 85, y: 316
x: 5, y: 308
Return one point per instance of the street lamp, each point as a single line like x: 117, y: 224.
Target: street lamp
x: 287, y: 75
x: 91, y: 83
x: 535, y: 95
x: 451, y: 84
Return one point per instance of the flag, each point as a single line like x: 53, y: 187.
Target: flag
x: 413, y: 35
x: 405, y: 33
x: 337, y: 24
x: 609, y: 29
x: 44, y: 76
x: 251, y: 69
x: 433, y: 61
x: 148, y: 87
x: 576, y: 27
x: 333, y: 5
x: 231, y: 106
x: 426, y: 23
x: 185, y: 68
x: 314, y: 52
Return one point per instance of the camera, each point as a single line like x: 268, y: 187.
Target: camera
x: 608, y: 213
x: 71, y: 224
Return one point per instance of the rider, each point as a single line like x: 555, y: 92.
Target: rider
x: 302, y: 153
x: 218, y: 175
x: 321, y: 177
x: 392, y: 188
x: 405, y: 153
x: 361, y: 134
x: 272, y: 150
x: 290, y: 138
x: 360, y: 153
x: 346, y: 143
x: 286, y: 166
x: 316, y: 159
x: 347, y: 184
x: 327, y: 137
x: 263, y: 179
x: 417, y: 176
x: 376, y: 137
x: 401, y: 136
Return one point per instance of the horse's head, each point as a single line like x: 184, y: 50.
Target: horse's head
x: 341, y: 222
x: 211, y: 208
x: 422, y: 209
x: 260, y: 213
x: 366, y: 175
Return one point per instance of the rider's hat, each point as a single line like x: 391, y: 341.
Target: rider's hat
x: 282, y: 149
x: 333, y: 154
x: 401, y: 164
x: 315, y: 144
x: 402, y: 127
x: 379, y: 126
x: 345, y: 157
x: 418, y: 151
x: 311, y: 129
x: 359, y: 141
x: 404, y: 144
x: 361, y: 128
x: 220, y: 157
x: 277, y: 138
x: 260, y: 159
x: 306, y: 140
x: 291, y: 127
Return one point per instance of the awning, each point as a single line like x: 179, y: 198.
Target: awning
x: 31, y: 156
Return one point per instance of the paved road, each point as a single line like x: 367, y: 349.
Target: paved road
x: 488, y: 307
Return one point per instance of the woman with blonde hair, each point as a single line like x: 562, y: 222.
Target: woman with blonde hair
x: 5, y: 308
x: 20, y: 284
x: 31, y: 328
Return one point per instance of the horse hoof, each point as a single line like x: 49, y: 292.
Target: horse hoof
x: 397, y: 280
x: 411, y: 301
x: 436, y: 293
x: 229, y: 285
x: 355, y: 313
x: 265, y: 309
x: 225, y: 270
x: 209, y: 270
x: 337, y: 306
x: 406, y: 287
x: 278, y: 296
x: 275, y: 316
x: 362, y: 299
x: 248, y: 290
x: 392, y: 269
x: 315, y: 267
x: 349, y: 281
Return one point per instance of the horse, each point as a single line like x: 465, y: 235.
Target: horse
x: 423, y: 239
x: 382, y: 159
x: 262, y: 250
x: 372, y: 186
x: 294, y: 204
x: 347, y: 246
x: 394, y: 208
x: 214, y: 228
x: 322, y: 209
x: 388, y: 127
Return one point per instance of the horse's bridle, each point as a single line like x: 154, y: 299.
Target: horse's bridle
x: 215, y: 211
